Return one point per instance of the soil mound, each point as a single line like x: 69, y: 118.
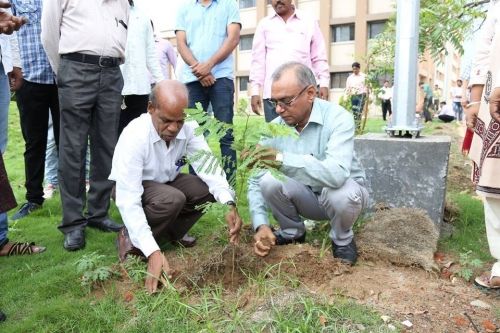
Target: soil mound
x: 401, y: 236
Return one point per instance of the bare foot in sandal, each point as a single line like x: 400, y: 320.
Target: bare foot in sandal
x: 16, y: 248
x: 487, y: 281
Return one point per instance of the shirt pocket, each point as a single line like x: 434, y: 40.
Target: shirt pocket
x: 28, y: 9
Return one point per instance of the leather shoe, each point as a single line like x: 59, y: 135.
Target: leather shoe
x: 106, y: 225
x: 280, y: 240
x: 74, y: 240
x: 125, y: 247
x: 187, y: 241
x: 348, y: 254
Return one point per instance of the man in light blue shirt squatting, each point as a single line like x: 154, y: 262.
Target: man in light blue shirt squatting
x: 323, y: 179
x: 207, y: 33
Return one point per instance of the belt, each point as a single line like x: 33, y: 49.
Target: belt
x: 101, y: 61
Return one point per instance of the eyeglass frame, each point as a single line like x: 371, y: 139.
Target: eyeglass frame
x: 285, y: 105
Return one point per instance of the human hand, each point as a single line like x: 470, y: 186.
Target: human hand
x: 263, y: 155
x: 264, y: 241
x: 15, y: 79
x: 157, y: 264
x: 8, y: 22
x: 256, y: 104
x: 323, y: 93
x: 207, y: 81
x: 202, y: 69
x: 495, y: 105
x: 234, y: 223
x: 471, y: 115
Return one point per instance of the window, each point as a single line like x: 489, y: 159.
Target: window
x: 337, y: 80
x: 244, y: 83
x: 247, y: 3
x: 246, y: 42
x: 375, y: 28
x: 342, y: 32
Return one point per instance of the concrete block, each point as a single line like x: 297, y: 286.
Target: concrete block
x: 404, y: 172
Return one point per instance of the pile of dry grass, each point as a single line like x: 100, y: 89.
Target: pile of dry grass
x: 402, y: 236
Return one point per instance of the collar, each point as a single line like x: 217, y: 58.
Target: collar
x: 297, y: 13
x: 316, y: 115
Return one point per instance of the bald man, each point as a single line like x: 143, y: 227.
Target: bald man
x: 157, y: 202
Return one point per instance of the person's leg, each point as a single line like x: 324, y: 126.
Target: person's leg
x: 51, y: 157
x: 222, y: 99
x: 4, y: 229
x: 103, y: 137
x: 78, y: 84
x: 492, y: 219
x: 4, y: 109
x: 170, y: 208
x: 460, y: 112
x: 389, y: 107
x: 135, y: 105
x: 455, y: 109
x: 197, y: 94
x: 32, y: 101
x: 343, y: 206
x: 269, y: 110
x: 384, y: 110
x: 288, y: 201
x: 356, y: 105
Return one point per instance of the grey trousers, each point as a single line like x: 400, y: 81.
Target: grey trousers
x: 290, y: 201
x: 89, y: 99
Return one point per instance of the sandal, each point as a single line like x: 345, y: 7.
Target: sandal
x: 484, y: 281
x: 17, y: 248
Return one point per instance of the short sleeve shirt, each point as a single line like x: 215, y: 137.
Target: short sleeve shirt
x: 206, y: 30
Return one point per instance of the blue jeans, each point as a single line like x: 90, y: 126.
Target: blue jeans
x: 51, y: 156
x: 357, y: 106
x: 459, y: 111
x: 4, y: 108
x: 221, y: 96
x: 269, y: 110
x: 4, y: 227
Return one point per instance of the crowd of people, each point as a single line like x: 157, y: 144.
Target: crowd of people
x: 105, y: 84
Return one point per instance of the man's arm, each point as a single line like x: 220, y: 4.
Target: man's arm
x: 170, y: 53
x: 258, y: 67
x: 319, y: 61
x: 16, y: 75
x: 202, y: 69
x: 152, y: 60
x: 51, y: 30
x: 8, y: 22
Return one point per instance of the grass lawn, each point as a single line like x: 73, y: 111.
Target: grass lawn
x: 43, y: 293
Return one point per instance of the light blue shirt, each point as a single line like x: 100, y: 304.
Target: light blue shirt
x: 206, y: 30
x: 321, y: 156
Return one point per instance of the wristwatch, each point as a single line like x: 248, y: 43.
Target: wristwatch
x: 231, y: 203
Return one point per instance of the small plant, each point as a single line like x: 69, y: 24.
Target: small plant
x: 135, y: 269
x: 92, y: 273
x: 467, y: 265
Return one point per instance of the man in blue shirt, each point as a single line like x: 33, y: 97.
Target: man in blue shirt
x: 322, y: 179
x: 37, y: 95
x: 207, y: 33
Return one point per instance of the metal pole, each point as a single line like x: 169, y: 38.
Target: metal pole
x: 405, y: 69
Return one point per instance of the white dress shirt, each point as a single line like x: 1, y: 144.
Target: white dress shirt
x: 9, y: 49
x: 141, y: 56
x: 94, y: 27
x: 141, y: 154
x: 385, y: 93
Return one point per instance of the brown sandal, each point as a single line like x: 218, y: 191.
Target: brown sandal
x: 18, y: 248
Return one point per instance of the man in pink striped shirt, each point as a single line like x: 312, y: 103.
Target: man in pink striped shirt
x: 286, y: 35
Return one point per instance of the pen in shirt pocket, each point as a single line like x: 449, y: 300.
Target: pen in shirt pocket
x: 121, y: 22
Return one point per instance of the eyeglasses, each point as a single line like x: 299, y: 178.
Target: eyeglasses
x: 284, y: 104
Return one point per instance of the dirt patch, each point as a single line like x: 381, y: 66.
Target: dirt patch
x: 402, y: 236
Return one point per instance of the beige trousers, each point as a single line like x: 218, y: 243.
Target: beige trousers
x: 492, y: 219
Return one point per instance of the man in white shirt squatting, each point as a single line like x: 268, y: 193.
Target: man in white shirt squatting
x: 157, y: 202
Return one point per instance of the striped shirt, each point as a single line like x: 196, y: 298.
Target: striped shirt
x: 36, y: 66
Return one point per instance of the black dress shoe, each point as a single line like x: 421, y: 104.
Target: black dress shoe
x: 107, y: 225
x: 280, y: 240
x: 2, y: 316
x: 74, y: 240
x: 348, y: 254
